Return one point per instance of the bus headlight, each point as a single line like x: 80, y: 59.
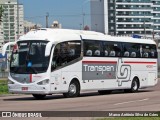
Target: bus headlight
x: 10, y: 82
x: 44, y: 82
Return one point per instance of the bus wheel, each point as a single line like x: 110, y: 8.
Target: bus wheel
x: 103, y: 92
x: 38, y: 96
x: 73, y: 91
x: 134, y: 86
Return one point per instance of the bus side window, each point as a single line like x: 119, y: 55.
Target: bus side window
x: 97, y: 53
x: 89, y: 53
x: 106, y: 48
x: 133, y: 54
x: 131, y: 50
x: 112, y: 49
x: 152, y: 54
x: 148, y: 51
x: 92, y: 48
x: 126, y: 54
x: 70, y: 50
x: 57, y: 59
x: 112, y: 53
x: 117, y: 48
x: 153, y: 51
x: 145, y: 55
x: 105, y: 53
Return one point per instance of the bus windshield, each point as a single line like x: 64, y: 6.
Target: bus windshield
x: 28, y: 57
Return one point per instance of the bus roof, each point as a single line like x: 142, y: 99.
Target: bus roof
x: 60, y: 35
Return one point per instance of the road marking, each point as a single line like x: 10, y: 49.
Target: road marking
x: 132, y: 101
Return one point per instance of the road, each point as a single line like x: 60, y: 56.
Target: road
x: 145, y: 100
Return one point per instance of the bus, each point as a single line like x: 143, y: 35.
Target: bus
x: 49, y: 61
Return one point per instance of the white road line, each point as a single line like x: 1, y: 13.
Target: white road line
x: 132, y: 101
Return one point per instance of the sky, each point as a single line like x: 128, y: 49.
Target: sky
x: 67, y: 12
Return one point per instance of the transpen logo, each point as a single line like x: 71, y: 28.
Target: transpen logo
x: 124, y: 72
x: 98, y: 70
x: 102, y: 69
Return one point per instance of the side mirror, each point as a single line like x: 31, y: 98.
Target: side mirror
x: 5, y: 47
x: 48, y: 49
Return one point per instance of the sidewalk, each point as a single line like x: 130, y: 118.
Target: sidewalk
x: 3, y: 78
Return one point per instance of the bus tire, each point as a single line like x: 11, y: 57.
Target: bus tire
x: 38, y: 96
x: 103, y: 92
x: 134, y: 86
x: 73, y: 91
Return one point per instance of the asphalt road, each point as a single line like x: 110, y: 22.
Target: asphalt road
x: 145, y: 100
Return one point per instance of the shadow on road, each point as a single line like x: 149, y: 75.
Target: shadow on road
x: 60, y: 96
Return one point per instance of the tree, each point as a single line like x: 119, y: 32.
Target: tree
x: 1, y: 12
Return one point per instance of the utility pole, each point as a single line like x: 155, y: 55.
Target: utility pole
x: 83, y: 13
x: 83, y: 19
x: 47, y: 15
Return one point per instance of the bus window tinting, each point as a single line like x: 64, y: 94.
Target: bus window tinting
x: 131, y: 50
x: 118, y: 49
x: 112, y: 49
x: 92, y: 48
x: 66, y: 52
x: 148, y: 51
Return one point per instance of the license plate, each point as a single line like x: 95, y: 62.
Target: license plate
x: 24, y: 88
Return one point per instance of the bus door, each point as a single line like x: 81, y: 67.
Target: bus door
x: 56, y: 70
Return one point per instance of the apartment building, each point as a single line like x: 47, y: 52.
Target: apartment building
x: 12, y: 21
x: 126, y: 17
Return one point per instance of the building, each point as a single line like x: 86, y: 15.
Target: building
x: 56, y: 24
x: 126, y: 17
x: 30, y: 25
x: 12, y: 21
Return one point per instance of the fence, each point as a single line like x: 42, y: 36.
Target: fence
x: 3, y: 74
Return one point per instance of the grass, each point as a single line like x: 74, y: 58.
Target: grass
x: 3, y: 87
x: 132, y: 118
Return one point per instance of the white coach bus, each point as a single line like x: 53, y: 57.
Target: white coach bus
x: 49, y: 61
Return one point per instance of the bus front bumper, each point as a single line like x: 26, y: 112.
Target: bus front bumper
x: 29, y: 89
